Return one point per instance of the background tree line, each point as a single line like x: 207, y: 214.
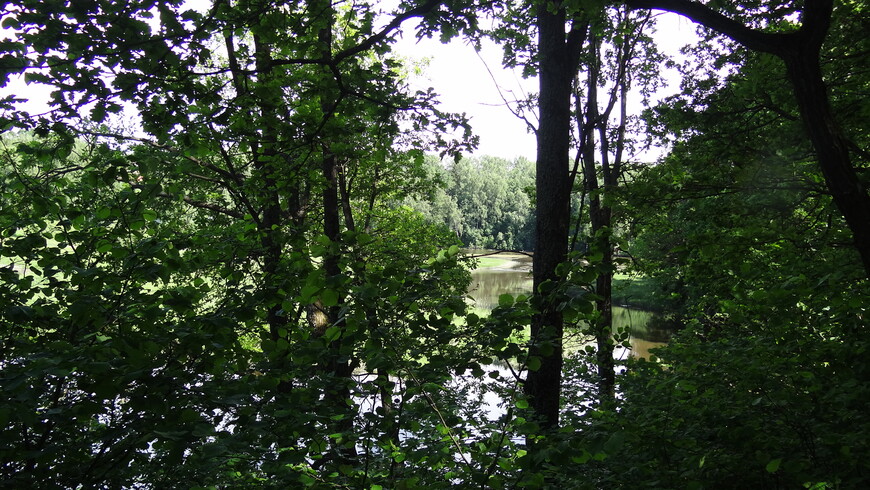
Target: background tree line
x: 486, y: 201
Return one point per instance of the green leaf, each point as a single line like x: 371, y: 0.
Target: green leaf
x: 773, y: 465
x: 584, y: 457
x: 329, y: 297
x: 332, y: 333
x: 308, y: 291
x: 104, y: 246
x: 10, y: 22
x: 614, y: 443
x: 98, y: 113
x: 522, y: 404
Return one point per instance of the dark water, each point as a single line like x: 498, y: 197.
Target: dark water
x: 511, y: 273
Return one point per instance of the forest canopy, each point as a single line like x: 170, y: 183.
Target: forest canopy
x: 233, y: 250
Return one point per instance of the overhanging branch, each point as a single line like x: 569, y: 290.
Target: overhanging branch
x: 773, y: 43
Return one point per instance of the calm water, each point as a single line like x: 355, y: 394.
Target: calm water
x: 513, y: 275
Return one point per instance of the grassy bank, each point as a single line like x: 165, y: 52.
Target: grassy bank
x: 493, y: 262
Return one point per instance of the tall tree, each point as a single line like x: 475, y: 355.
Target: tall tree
x: 760, y: 28
x: 251, y: 112
x: 558, y: 58
x: 604, y: 146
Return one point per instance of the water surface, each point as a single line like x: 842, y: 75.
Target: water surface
x: 513, y: 275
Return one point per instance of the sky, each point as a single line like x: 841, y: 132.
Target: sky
x: 469, y: 82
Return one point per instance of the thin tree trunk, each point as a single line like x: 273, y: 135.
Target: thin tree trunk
x: 610, y: 151
x: 599, y: 216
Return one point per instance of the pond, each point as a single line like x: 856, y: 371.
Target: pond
x: 511, y: 273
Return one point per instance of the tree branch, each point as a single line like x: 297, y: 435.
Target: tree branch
x: 706, y: 16
x: 205, y: 205
x: 366, y: 44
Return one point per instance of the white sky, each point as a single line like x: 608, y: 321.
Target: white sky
x: 460, y: 76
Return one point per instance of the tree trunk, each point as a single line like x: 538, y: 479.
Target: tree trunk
x: 831, y: 148
x: 336, y: 364
x: 553, y: 187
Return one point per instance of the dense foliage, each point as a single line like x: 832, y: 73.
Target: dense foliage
x: 741, y: 240
x: 225, y: 261
x: 486, y: 201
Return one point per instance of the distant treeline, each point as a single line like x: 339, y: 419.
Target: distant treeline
x: 486, y: 201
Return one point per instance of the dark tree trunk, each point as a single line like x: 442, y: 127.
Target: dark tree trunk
x: 557, y: 65
x: 831, y: 147
x: 589, y: 121
x: 610, y: 151
x: 601, y: 222
x: 344, y: 192
x: 264, y: 153
x: 337, y: 364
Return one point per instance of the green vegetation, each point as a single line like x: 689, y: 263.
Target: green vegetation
x: 487, y: 201
x: 639, y: 292
x: 257, y: 280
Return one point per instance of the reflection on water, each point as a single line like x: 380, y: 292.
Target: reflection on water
x: 488, y: 284
x: 513, y: 276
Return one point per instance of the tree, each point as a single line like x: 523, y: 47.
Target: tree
x: 737, y: 225
x: 558, y: 61
x: 740, y: 144
x: 604, y: 144
x: 799, y: 49
x: 241, y: 205
x: 484, y: 200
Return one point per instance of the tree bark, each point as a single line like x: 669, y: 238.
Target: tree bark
x: 336, y: 364
x: 558, y: 62
x: 589, y: 120
x: 831, y: 148
x: 265, y: 153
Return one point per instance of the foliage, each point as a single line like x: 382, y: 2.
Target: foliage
x: 229, y: 300
x: 738, y: 232
x: 485, y: 201
x: 756, y: 399
x: 128, y: 357
x: 738, y: 197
